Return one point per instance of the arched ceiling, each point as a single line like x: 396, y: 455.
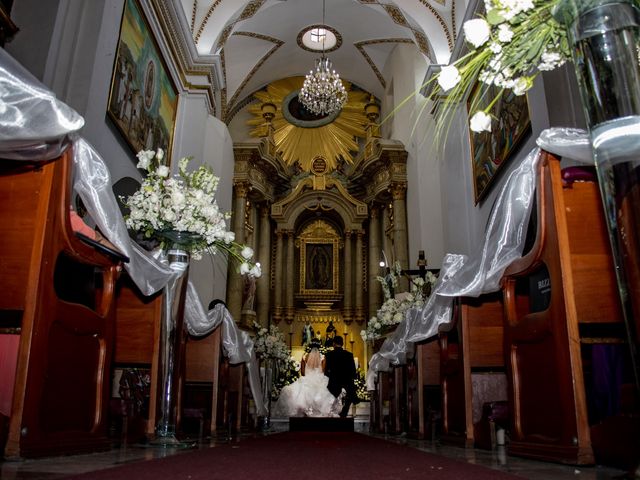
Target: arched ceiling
x: 243, y: 45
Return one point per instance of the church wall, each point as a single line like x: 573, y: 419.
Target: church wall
x: 465, y: 236
x: 34, y: 18
x: 404, y: 72
x: 72, y: 50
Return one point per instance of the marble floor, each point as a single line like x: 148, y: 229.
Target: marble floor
x: 59, y: 467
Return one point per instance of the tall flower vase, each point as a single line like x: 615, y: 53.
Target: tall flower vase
x: 172, y: 342
x: 268, y: 374
x: 605, y: 37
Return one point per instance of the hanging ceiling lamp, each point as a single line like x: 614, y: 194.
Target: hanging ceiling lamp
x: 322, y: 92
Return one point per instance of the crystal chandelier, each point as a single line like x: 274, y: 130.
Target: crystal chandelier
x: 322, y: 92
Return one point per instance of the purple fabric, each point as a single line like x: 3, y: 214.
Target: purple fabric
x: 607, y: 368
x: 579, y: 174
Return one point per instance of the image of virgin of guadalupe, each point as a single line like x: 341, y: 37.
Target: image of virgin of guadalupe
x: 320, y: 271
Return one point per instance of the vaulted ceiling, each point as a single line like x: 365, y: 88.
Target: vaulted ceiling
x: 232, y: 48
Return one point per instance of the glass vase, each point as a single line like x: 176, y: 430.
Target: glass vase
x: 605, y: 38
x: 172, y: 339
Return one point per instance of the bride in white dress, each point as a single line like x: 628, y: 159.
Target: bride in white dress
x: 308, y: 395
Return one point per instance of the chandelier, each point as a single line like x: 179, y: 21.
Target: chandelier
x: 322, y: 92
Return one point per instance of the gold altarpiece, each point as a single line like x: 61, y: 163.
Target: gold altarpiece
x: 319, y: 217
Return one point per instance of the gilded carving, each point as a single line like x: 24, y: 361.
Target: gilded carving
x: 398, y: 190
x: 242, y: 189
x: 333, y: 141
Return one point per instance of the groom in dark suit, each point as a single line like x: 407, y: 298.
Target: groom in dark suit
x: 341, y: 370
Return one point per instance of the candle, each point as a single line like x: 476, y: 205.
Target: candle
x: 291, y: 327
x: 352, y: 336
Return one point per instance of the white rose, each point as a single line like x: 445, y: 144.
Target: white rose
x: 163, y: 171
x: 144, y: 159
x: 448, y: 77
x: 247, y: 253
x: 477, y: 31
x: 505, y: 34
x: 160, y: 154
x: 480, y: 122
x: 521, y: 85
x: 256, y: 271
x: 229, y: 237
x: 244, y: 268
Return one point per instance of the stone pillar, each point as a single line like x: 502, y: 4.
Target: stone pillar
x: 375, y: 256
x: 235, y: 284
x: 278, y: 283
x: 359, y: 277
x: 291, y: 275
x: 348, y: 279
x: 400, y: 237
x: 264, y: 257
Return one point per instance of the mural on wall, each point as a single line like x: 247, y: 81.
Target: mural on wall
x: 491, y: 150
x: 143, y: 99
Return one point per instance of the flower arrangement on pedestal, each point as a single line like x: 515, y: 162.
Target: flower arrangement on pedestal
x: 288, y: 372
x: 394, y: 308
x: 269, y: 343
x: 183, y: 203
x: 511, y: 44
x: 361, y: 386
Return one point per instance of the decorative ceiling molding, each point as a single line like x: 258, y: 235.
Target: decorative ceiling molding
x: 205, y: 20
x: 277, y: 44
x: 187, y: 61
x: 453, y: 21
x: 442, y: 22
x: 361, y: 48
x: 326, y: 27
x: 398, y: 17
x: 247, y: 12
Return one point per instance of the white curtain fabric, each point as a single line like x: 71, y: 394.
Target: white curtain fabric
x: 35, y: 125
x: 480, y: 273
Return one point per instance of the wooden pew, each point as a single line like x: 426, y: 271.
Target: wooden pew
x: 544, y: 334
x: 137, y: 339
x: 426, y: 396
x: 60, y: 294
x: 472, y: 348
x: 407, y: 397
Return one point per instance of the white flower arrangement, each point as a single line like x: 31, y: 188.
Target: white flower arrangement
x: 270, y: 343
x: 183, y: 203
x: 394, y: 309
x: 511, y: 44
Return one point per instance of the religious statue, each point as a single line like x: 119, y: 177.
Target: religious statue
x: 330, y: 334
x: 307, y: 333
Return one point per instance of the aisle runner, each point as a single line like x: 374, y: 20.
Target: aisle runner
x: 302, y: 456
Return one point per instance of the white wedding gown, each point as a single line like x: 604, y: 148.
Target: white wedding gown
x: 308, y: 396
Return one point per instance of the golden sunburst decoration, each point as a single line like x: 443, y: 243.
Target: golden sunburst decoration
x: 303, y: 139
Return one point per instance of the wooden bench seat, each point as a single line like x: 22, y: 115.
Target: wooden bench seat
x: 58, y: 293
x: 547, y: 327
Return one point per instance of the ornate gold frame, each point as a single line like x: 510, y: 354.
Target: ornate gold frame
x: 319, y: 233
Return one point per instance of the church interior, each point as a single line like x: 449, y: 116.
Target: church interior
x: 358, y: 218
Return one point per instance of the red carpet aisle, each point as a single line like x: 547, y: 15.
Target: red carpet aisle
x: 302, y: 456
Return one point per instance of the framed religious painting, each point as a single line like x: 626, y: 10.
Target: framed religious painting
x: 319, y: 246
x: 143, y: 99
x: 490, y: 151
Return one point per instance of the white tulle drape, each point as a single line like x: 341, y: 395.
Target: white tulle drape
x: 480, y: 273
x: 35, y: 125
